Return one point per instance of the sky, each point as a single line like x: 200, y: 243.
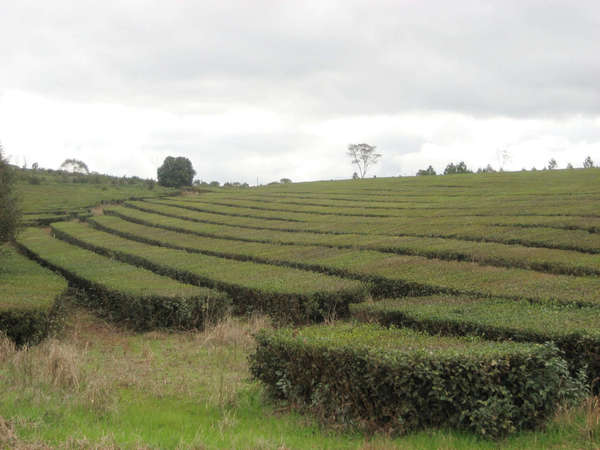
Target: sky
x: 264, y: 90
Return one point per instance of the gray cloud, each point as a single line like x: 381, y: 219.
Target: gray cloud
x: 281, y: 88
x: 533, y: 58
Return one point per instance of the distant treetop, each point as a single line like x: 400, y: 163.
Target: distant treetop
x: 176, y: 172
x: 74, y: 165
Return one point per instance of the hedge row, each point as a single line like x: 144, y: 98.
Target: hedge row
x: 446, y: 208
x: 286, y: 293
x: 574, y: 240
x: 419, y: 208
x: 501, y: 255
x: 574, y: 330
x: 590, y: 224
x: 389, y: 275
x: 123, y: 292
x: 30, y: 298
x: 400, y: 380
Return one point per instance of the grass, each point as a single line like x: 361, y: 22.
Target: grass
x: 60, y: 192
x: 134, y: 402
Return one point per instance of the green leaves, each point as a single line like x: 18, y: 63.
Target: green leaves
x: 400, y: 380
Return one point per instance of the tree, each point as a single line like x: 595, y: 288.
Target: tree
x: 176, y: 172
x: 552, y: 164
x: 452, y: 168
x: 487, y: 169
x: 363, y: 155
x: 285, y: 181
x: 588, y: 163
x: 569, y: 166
x: 424, y: 172
x: 74, y: 165
x: 10, y: 214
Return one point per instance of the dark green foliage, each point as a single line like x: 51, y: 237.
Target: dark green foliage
x: 75, y: 165
x: 30, y: 326
x: 424, y: 172
x: 573, y: 330
x: 10, y: 212
x: 458, y: 168
x: 399, y: 380
x: 176, y: 172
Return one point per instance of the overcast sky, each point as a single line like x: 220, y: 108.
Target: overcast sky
x: 274, y: 89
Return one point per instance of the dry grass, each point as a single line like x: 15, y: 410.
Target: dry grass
x: 91, y: 360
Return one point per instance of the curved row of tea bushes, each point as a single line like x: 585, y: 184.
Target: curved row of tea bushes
x: 286, y: 293
x: 29, y: 298
x: 501, y: 255
x: 590, y: 224
x: 400, y: 380
x: 389, y: 275
x: 443, y: 208
x: 126, y: 293
x: 545, y: 237
x: 576, y: 331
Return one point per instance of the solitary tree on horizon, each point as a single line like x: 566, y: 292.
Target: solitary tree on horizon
x: 176, y: 172
x: 588, y: 163
x: 74, y: 165
x: 363, y: 156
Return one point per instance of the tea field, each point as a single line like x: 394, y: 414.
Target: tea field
x: 456, y: 311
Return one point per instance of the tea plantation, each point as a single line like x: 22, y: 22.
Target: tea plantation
x: 401, y: 309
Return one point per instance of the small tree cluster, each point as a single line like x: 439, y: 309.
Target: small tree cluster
x: 588, y: 163
x: 10, y: 214
x: 425, y: 172
x: 452, y: 168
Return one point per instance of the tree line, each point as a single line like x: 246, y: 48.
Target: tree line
x: 461, y: 167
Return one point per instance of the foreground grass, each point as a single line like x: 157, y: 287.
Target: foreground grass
x: 101, y: 387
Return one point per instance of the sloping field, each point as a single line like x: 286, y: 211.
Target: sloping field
x: 388, y: 273
x: 504, y: 255
x: 482, y: 291
x: 288, y: 293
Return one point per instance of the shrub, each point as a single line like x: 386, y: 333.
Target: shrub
x: 399, y: 380
x: 573, y: 330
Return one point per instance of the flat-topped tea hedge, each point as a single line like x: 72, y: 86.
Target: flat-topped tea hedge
x: 576, y: 240
x: 28, y: 298
x: 400, y: 380
x: 576, y: 331
x: 287, y: 293
x: 502, y: 255
x: 124, y: 292
x: 388, y: 274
